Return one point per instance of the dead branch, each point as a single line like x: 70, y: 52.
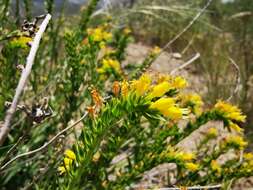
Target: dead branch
x: 4, y: 130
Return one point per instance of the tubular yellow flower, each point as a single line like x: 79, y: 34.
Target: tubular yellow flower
x: 159, y: 90
x: 168, y: 108
x: 163, y: 104
x: 235, y: 127
x: 61, y: 170
x: 142, y: 85
x: 179, y: 83
x: 236, y: 141
x: 67, y: 161
x: 70, y: 154
x: 230, y: 111
x: 191, y: 166
x: 215, y: 166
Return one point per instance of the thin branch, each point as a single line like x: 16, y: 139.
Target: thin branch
x: 188, y: 26
x: 188, y: 188
x: 238, y: 79
x: 45, y: 145
x: 185, y: 64
x: 4, y: 130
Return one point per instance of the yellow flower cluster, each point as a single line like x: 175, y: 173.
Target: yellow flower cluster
x: 236, y: 141
x: 215, y: 166
x: 67, y: 161
x: 231, y: 112
x: 180, y: 155
x: 99, y: 34
x: 142, y: 85
x: 194, y: 101
x: 21, y: 42
x: 108, y: 64
x: 192, y: 166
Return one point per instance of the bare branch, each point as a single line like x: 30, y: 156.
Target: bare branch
x: 238, y: 79
x: 4, y: 130
x: 45, y: 145
x: 185, y: 64
x: 189, y: 188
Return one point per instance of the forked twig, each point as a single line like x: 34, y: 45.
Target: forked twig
x: 4, y: 130
x: 185, y: 64
x: 45, y: 145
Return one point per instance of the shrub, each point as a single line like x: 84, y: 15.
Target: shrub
x: 123, y: 109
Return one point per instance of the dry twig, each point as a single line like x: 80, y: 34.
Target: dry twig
x: 45, y: 145
x: 185, y: 64
x: 238, y: 79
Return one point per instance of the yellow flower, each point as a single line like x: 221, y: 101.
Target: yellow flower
x: 215, y: 166
x: 67, y: 161
x: 142, y: 85
x: 21, y: 42
x: 230, y: 111
x: 179, y: 83
x: 162, y: 77
x: 109, y: 64
x: 168, y: 108
x: 127, y: 31
x: 236, y: 141
x: 212, y: 132
x: 70, y: 154
x: 191, y: 166
x: 98, y: 34
x: 163, y: 104
x: 156, y: 50
x: 124, y: 88
x: 186, y: 156
x: 248, y: 156
x: 61, y: 170
x: 96, y: 156
x: 194, y: 101
x: 235, y: 127
x: 159, y: 90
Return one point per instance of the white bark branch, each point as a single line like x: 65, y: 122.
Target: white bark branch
x: 5, y: 129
